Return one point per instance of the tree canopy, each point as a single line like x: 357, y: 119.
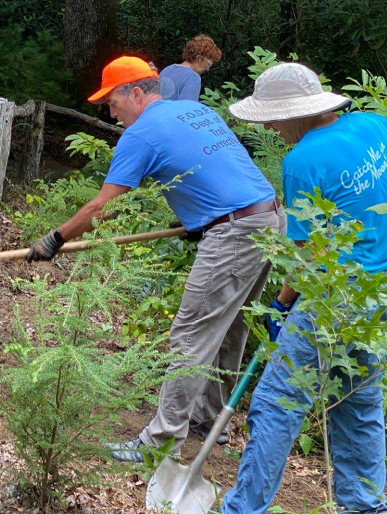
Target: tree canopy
x: 337, y: 38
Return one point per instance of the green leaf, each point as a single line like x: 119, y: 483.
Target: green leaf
x: 166, y: 448
x: 380, y: 208
x: 276, y: 509
x: 352, y: 87
x: 148, y: 461
x: 288, y: 404
x: 305, y: 443
x: 230, y: 85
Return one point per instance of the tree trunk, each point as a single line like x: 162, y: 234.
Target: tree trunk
x: 227, y: 20
x: 6, y: 117
x: 90, y: 41
x: 289, y: 27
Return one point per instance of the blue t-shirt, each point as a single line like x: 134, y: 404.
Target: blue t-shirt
x: 347, y: 161
x: 172, y: 138
x: 180, y: 83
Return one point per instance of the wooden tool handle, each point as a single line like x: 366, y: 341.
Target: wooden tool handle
x: 79, y: 246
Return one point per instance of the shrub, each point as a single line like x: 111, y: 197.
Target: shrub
x: 337, y: 299
x: 62, y: 395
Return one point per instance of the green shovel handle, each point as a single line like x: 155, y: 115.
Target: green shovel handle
x: 223, y: 418
x: 243, y: 382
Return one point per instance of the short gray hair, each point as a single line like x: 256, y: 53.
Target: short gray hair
x: 149, y: 86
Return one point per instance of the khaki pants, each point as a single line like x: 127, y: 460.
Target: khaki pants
x: 208, y: 328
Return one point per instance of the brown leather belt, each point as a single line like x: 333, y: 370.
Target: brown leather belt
x: 255, y: 208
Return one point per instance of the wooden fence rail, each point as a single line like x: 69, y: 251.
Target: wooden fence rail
x: 35, y: 111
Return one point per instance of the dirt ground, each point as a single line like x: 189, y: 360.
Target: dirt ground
x: 303, y: 485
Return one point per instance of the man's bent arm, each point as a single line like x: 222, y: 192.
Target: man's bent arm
x: 82, y: 221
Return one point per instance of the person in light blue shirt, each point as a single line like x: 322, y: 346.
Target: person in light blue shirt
x: 183, y: 81
x: 188, y: 138
x: 180, y: 82
x: 353, y: 176
x: 221, y: 197
x: 345, y: 157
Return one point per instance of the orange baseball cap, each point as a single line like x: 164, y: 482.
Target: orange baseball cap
x: 122, y: 71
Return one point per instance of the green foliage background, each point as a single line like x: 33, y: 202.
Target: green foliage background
x: 32, y: 54
x: 337, y: 38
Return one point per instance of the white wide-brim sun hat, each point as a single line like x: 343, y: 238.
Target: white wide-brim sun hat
x: 286, y: 92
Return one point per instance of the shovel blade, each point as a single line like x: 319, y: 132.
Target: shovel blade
x: 174, y: 485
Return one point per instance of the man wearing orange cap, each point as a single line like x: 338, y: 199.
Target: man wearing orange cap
x: 223, y: 200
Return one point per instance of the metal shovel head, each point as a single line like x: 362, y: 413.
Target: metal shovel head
x: 175, y: 486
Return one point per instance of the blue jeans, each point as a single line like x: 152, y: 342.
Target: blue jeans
x: 356, y: 432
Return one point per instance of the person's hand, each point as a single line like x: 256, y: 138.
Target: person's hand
x: 45, y: 248
x: 175, y: 224
x: 273, y: 326
x: 187, y: 235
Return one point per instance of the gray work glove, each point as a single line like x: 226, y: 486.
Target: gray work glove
x: 187, y: 235
x: 45, y: 248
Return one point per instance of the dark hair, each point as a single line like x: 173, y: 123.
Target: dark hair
x: 201, y: 46
x: 149, y: 86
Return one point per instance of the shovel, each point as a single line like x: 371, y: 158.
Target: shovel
x: 183, y: 488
